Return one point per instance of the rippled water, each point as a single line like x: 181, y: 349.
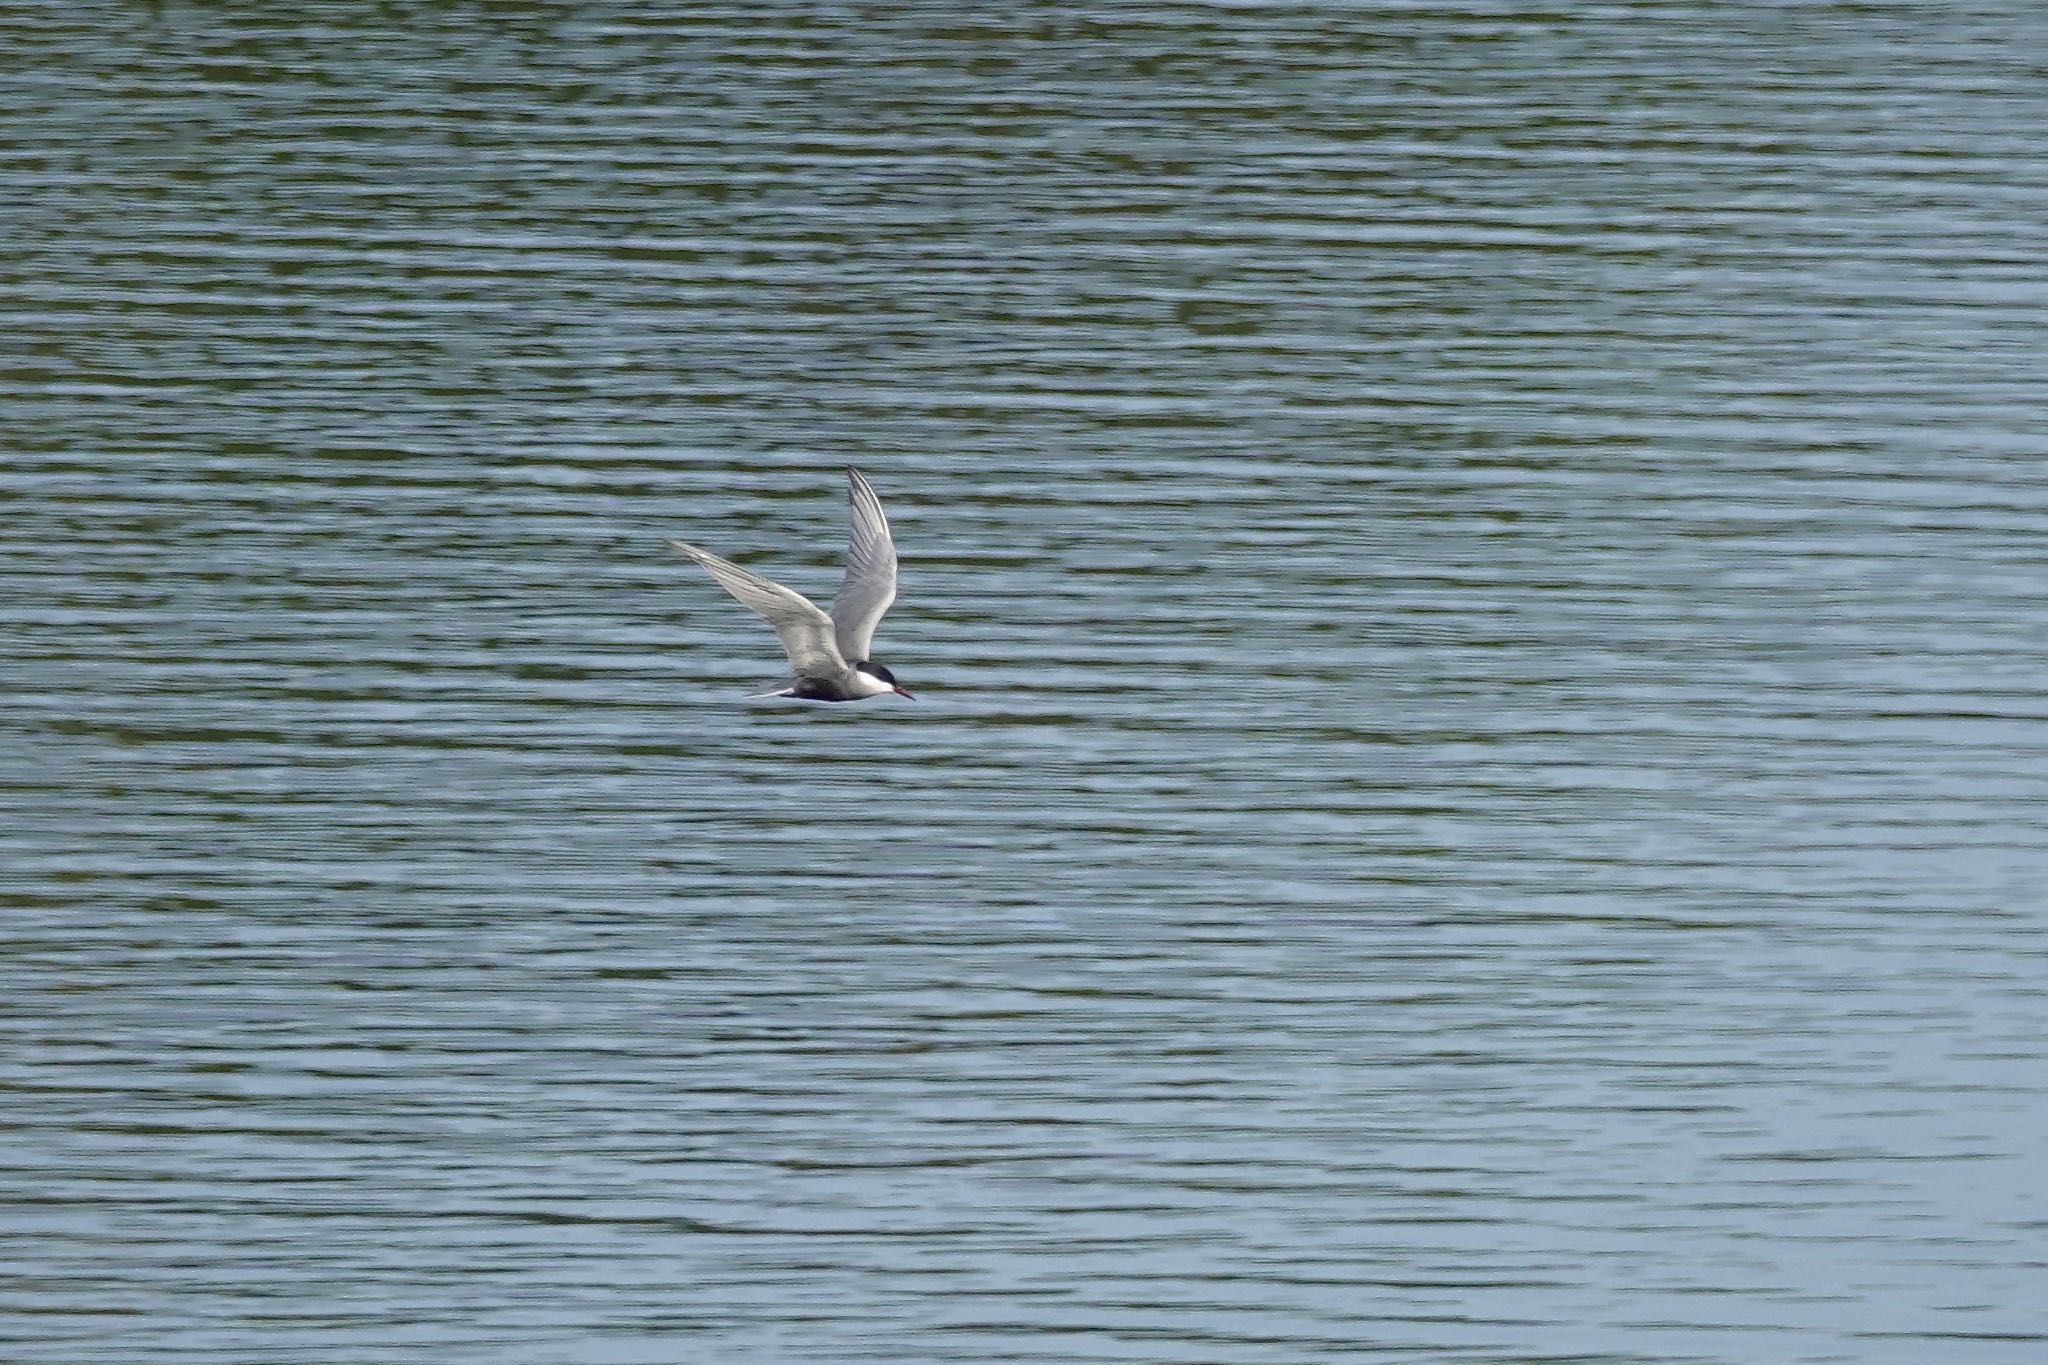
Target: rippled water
x: 1476, y: 580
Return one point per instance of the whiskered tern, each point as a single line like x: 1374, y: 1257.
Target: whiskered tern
x: 827, y: 653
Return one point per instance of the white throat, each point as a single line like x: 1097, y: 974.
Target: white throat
x: 868, y: 685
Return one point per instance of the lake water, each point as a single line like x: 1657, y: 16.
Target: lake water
x: 1477, y: 582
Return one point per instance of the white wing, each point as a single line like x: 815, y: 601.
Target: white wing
x: 806, y: 632
x: 870, y: 583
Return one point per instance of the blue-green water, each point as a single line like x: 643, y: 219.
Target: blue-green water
x: 1476, y: 583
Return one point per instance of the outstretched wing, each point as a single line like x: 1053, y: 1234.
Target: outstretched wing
x: 870, y: 583
x: 806, y: 632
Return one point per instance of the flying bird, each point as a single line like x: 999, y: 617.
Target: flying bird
x: 827, y: 653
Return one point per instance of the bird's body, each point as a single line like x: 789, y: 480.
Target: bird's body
x: 827, y: 653
x: 856, y: 684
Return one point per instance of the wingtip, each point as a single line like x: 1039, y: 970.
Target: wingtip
x: 860, y: 492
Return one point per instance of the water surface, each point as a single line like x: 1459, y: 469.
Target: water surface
x: 1475, y: 579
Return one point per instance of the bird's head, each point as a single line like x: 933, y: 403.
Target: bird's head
x: 869, y: 669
